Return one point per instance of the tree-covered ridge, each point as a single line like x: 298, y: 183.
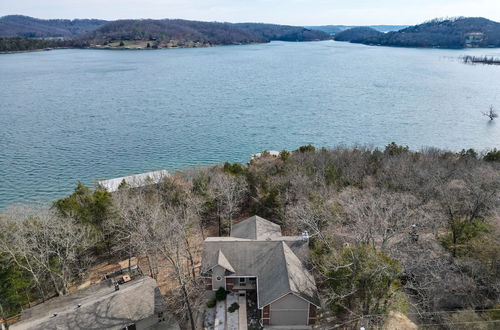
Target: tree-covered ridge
x: 334, y: 29
x: 359, y: 35
x: 26, y: 33
x: 447, y: 33
x: 391, y: 230
x: 17, y: 44
x: 24, y: 26
x: 202, y: 32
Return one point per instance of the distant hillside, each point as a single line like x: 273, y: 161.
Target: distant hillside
x: 445, y: 33
x: 167, y: 30
x: 284, y: 32
x: 21, y: 33
x: 334, y: 29
x: 359, y: 35
x: 24, y: 26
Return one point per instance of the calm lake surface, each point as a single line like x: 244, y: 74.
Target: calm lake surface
x: 71, y: 115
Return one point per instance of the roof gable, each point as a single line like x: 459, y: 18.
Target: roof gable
x: 256, y: 228
x: 223, y: 262
x: 286, y: 274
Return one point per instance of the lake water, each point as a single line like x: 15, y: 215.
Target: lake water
x: 71, y: 115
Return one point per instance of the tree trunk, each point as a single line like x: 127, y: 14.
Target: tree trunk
x: 190, y: 257
x: 188, y: 304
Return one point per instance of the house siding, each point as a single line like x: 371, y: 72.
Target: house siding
x: 266, y: 315
x: 218, y: 272
x: 208, y: 283
x: 229, y: 284
x: 312, y: 314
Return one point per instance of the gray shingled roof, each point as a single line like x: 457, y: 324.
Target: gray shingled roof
x: 278, y: 262
x: 256, y: 228
x: 101, y: 307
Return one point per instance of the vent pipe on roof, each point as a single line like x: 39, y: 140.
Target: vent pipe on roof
x: 117, y: 286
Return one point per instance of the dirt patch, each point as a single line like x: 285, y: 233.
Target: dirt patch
x: 398, y: 321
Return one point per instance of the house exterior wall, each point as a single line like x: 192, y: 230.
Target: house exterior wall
x: 265, y: 315
x: 229, y: 284
x: 218, y: 278
x: 289, y: 310
x: 235, y: 285
x: 313, y: 312
x: 208, y: 283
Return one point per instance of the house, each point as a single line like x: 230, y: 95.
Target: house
x: 257, y: 257
x: 474, y: 39
x: 135, y: 305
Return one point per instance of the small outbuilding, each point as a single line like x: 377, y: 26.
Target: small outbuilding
x: 135, y: 305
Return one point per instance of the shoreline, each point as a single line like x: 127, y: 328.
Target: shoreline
x: 102, y: 47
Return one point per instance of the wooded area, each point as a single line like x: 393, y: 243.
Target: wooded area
x: 22, y: 33
x: 391, y: 230
x: 446, y: 33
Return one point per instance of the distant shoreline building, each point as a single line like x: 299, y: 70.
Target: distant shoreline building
x: 273, y: 153
x: 134, y: 181
x: 474, y: 39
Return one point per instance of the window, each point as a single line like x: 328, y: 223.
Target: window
x: 243, y: 280
x: 219, y: 278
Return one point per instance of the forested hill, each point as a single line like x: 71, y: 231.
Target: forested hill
x: 202, y: 32
x: 334, y: 29
x: 24, y: 26
x: 24, y: 33
x: 446, y: 33
x: 359, y: 35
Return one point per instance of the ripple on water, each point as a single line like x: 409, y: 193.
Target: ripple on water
x: 72, y: 115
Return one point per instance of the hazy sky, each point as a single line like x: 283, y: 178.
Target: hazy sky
x: 296, y: 12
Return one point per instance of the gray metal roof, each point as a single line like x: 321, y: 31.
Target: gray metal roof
x: 278, y: 262
x: 256, y: 228
x: 101, y: 307
x: 135, y: 181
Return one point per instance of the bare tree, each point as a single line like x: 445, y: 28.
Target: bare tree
x: 161, y: 232
x: 44, y: 244
x: 227, y: 192
x: 377, y: 216
x: 492, y: 114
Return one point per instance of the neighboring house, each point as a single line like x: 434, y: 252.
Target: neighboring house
x: 134, y: 181
x: 134, y: 305
x: 272, y: 153
x: 474, y: 39
x: 257, y: 257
